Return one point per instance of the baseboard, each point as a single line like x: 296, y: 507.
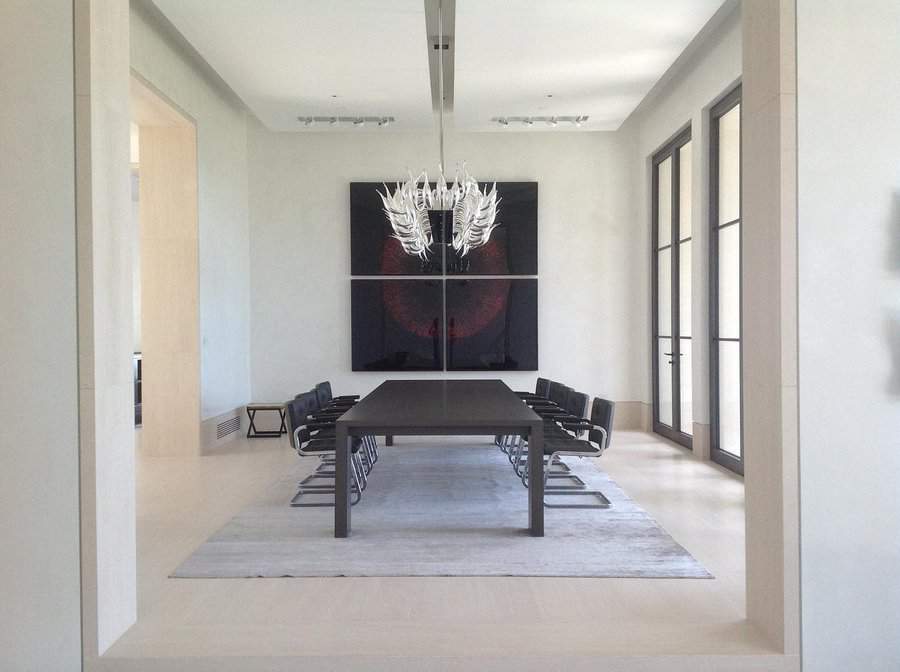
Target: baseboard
x: 217, y: 431
x: 632, y: 415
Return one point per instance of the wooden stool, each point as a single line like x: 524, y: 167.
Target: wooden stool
x: 253, y: 432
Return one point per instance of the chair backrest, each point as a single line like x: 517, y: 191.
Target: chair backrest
x: 602, y: 413
x: 577, y: 403
x: 558, y: 393
x: 323, y: 393
x: 296, y: 412
x: 542, y: 387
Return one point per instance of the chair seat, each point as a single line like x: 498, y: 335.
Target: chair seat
x: 555, y: 432
x: 324, y: 445
x: 572, y: 446
x: 318, y: 447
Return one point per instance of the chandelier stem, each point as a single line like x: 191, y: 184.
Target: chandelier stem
x: 468, y: 213
x: 441, y: 76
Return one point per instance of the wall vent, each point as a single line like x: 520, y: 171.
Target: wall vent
x: 228, y: 427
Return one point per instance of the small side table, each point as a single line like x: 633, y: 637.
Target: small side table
x: 253, y: 432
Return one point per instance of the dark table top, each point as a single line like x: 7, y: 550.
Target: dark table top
x: 437, y: 404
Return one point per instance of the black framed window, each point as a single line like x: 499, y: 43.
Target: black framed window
x: 725, y: 393
x: 672, y: 249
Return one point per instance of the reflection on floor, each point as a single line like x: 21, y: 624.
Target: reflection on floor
x: 459, y: 623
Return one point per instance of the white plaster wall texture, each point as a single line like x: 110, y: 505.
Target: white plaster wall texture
x: 300, y: 252
x: 223, y: 210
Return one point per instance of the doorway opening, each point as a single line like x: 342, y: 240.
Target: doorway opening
x: 166, y: 277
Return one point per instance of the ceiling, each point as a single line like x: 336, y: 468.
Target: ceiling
x: 511, y: 58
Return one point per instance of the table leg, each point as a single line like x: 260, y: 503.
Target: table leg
x: 536, y: 480
x: 389, y: 439
x: 283, y: 428
x: 341, y: 482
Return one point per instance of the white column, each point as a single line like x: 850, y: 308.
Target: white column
x: 769, y: 299
x: 105, y: 233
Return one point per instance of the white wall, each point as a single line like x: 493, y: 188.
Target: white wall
x: 849, y: 282
x: 709, y: 69
x: 39, y: 566
x: 589, y: 283
x: 160, y: 58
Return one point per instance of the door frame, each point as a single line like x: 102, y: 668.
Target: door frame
x: 670, y: 149
x: 722, y: 457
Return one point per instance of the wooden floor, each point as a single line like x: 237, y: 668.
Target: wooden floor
x: 444, y: 623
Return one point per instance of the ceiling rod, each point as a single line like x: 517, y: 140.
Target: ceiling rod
x: 441, y: 75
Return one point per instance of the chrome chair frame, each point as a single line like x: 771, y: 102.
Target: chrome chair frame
x: 554, y: 449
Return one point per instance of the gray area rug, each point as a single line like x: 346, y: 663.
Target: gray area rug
x: 442, y: 507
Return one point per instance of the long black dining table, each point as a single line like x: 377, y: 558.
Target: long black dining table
x: 440, y: 408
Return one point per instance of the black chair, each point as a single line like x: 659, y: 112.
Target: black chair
x: 328, y: 410
x: 541, y: 390
x: 338, y: 406
x: 326, y: 400
x: 599, y: 432
x: 574, y: 408
x: 557, y: 395
x: 311, y: 438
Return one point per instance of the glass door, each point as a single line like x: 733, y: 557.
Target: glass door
x: 726, y: 414
x: 672, y: 389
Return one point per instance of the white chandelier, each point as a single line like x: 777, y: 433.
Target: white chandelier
x: 473, y: 219
x: 474, y: 212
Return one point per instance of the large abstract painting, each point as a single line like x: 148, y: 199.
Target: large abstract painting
x: 464, y: 312
x: 397, y: 325
x: 492, y: 324
x: 511, y: 249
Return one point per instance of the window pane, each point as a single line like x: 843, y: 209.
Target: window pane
x: 687, y: 406
x: 730, y: 281
x: 730, y: 165
x: 664, y: 202
x: 665, y: 381
x: 730, y: 397
x: 684, y: 289
x: 664, y: 284
x: 684, y: 192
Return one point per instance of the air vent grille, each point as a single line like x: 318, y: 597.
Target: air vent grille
x: 227, y: 427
